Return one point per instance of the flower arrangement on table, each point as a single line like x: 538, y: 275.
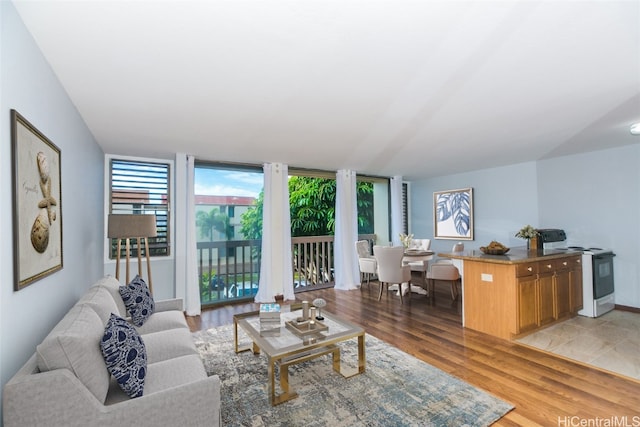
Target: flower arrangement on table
x: 406, y: 240
x: 527, y: 232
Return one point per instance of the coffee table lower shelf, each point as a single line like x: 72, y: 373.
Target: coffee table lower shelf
x: 300, y: 354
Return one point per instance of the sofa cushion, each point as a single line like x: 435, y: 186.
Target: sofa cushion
x: 74, y: 344
x: 165, y: 375
x: 169, y: 344
x: 112, y: 285
x: 138, y: 300
x: 162, y: 321
x: 101, y: 301
x: 125, y: 355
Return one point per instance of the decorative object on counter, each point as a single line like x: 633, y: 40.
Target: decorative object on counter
x: 319, y: 303
x: 406, y: 239
x: 494, y: 248
x: 453, y: 214
x: 527, y: 232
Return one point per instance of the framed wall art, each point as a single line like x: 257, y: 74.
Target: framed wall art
x: 453, y: 214
x: 37, y: 203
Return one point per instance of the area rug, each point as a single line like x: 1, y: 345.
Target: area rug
x: 396, y: 390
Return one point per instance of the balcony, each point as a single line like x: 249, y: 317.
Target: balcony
x: 229, y: 271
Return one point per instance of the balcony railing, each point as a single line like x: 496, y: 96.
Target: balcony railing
x: 230, y: 270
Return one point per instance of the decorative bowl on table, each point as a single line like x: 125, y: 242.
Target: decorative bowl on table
x: 494, y: 248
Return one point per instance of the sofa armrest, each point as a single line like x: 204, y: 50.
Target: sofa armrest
x: 188, y: 405
x: 34, y: 399
x: 169, y: 304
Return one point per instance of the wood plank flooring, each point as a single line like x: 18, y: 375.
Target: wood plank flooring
x: 546, y: 390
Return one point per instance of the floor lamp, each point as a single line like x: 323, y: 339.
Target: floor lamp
x: 126, y: 226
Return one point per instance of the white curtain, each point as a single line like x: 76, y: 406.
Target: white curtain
x: 276, y: 270
x: 187, y: 286
x: 347, y: 273
x: 396, y: 210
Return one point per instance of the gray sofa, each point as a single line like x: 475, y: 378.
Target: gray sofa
x: 66, y: 382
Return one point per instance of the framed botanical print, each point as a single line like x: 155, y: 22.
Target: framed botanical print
x: 453, y: 214
x: 37, y: 203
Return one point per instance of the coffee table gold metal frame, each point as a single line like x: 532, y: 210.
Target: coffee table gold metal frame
x: 288, y: 349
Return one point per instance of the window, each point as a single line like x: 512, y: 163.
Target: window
x: 406, y: 207
x: 142, y: 187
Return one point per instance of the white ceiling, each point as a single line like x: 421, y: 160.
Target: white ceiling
x: 395, y: 87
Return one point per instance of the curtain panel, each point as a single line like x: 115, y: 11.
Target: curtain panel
x: 276, y: 271
x: 186, y: 270
x: 347, y: 274
x: 396, y: 210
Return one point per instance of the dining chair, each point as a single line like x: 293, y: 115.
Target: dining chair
x: 444, y: 272
x: 423, y: 265
x: 390, y: 268
x: 457, y: 247
x: 366, y: 261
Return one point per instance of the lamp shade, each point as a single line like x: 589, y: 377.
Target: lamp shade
x: 127, y: 226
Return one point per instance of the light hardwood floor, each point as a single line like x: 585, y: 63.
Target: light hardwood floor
x: 546, y: 390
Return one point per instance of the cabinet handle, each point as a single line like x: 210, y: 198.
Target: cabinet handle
x: 530, y: 269
x: 564, y: 263
x: 548, y: 265
x: 578, y: 261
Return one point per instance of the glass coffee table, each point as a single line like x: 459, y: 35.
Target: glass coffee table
x: 285, y: 345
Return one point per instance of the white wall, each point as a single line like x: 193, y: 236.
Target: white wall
x: 504, y: 199
x: 28, y: 85
x: 594, y: 197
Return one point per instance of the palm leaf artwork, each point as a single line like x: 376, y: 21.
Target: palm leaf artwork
x: 455, y: 205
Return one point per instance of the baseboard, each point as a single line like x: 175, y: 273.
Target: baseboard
x: 627, y: 308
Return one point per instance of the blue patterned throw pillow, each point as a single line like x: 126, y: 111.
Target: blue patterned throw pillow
x: 138, y: 300
x: 125, y: 355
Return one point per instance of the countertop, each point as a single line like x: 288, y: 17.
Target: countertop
x: 514, y: 256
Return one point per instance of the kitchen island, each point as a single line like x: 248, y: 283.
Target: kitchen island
x: 511, y: 295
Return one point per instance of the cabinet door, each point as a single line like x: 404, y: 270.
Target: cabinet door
x: 562, y: 291
x: 546, y: 293
x: 575, y: 285
x: 527, y: 304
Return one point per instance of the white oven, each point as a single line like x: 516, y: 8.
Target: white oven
x: 597, y: 271
x: 598, y: 286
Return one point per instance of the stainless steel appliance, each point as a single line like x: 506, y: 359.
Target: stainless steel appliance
x: 597, y: 271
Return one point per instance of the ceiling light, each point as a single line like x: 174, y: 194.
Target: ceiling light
x: 635, y: 129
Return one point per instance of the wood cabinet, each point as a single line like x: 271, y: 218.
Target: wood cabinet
x: 575, y: 285
x: 527, y: 285
x: 507, y: 300
x: 546, y: 293
x: 562, y: 289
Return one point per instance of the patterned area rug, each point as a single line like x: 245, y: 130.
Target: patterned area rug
x: 396, y: 390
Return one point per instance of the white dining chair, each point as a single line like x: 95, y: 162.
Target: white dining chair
x: 422, y: 265
x: 390, y: 268
x: 366, y: 261
x: 444, y: 272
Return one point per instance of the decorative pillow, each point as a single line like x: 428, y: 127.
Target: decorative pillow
x: 138, y: 300
x: 125, y: 355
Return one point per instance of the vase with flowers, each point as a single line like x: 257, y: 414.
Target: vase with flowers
x: 527, y: 232
x: 406, y: 240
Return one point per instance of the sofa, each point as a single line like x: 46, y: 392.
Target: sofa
x: 66, y: 381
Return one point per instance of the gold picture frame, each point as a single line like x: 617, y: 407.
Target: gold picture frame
x: 37, y: 203
x: 453, y: 214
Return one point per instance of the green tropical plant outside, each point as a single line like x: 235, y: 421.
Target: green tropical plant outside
x: 312, y: 203
x: 214, y: 220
